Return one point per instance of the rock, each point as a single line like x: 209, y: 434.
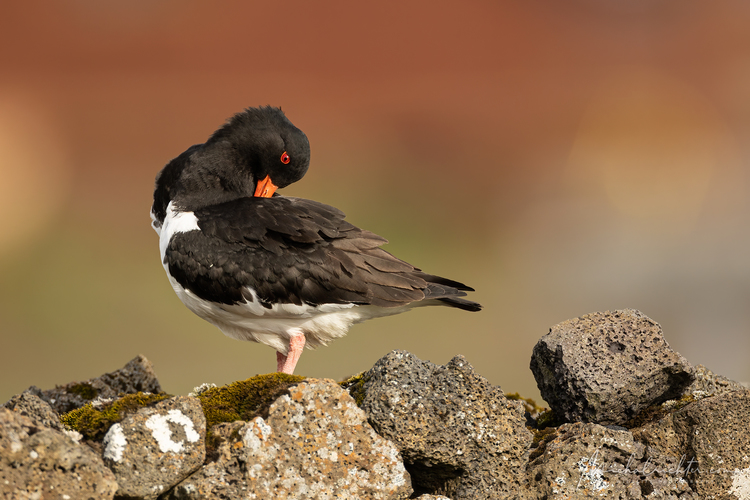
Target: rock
x: 136, y: 376
x: 712, y: 434
x: 315, y: 443
x: 589, y: 460
x: 39, y: 462
x: 35, y: 408
x: 607, y: 367
x: 458, y: 434
x: 155, y: 448
x: 707, y: 383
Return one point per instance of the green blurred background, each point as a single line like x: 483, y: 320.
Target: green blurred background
x: 560, y: 157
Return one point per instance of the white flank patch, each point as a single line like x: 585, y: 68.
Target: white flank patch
x: 114, y: 443
x: 159, y: 425
x: 175, y: 222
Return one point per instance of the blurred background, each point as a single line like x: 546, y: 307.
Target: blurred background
x: 560, y: 157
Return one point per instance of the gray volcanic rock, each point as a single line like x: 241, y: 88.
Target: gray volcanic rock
x: 136, y: 376
x: 591, y: 461
x: 39, y: 462
x: 315, y: 443
x: 708, y: 383
x: 607, y: 367
x: 35, y: 408
x: 713, y: 435
x: 154, y: 449
x: 458, y: 434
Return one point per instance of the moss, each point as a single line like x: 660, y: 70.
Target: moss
x: 356, y: 387
x: 547, y: 419
x: 93, y: 422
x: 85, y: 390
x: 540, y: 440
x: 656, y: 412
x: 245, y: 399
x: 529, y: 404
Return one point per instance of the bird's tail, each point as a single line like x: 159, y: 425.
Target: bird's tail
x: 448, y: 292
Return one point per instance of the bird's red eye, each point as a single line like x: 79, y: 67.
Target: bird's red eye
x: 285, y: 158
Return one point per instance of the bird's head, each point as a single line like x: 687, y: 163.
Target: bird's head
x: 270, y: 150
x: 254, y: 153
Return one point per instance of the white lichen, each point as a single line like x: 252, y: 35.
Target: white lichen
x: 114, y: 443
x: 741, y: 484
x: 74, y: 435
x: 201, y: 389
x: 256, y: 434
x: 159, y: 425
x: 593, y: 474
x: 100, y: 401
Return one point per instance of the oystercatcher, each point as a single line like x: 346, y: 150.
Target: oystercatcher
x: 285, y: 272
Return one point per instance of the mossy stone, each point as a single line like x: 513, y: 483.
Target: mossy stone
x: 245, y: 399
x: 85, y: 390
x: 529, y: 405
x: 93, y: 422
x: 356, y: 387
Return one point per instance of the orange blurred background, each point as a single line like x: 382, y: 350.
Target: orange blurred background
x: 560, y: 157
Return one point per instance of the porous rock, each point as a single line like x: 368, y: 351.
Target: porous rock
x: 713, y: 436
x: 315, y: 443
x: 708, y: 383
x: 136, y: 376
x: 32, y: 406
x: 458, y: 434
x: 155, y: 448
x: 39, y: 462
x: 606, y: 367
x: 586, y: 460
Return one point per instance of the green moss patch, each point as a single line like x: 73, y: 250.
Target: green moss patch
x: 547, y: 419
x: 245, y: 399
x: 540, y: 440
x: 528, y: 404
x: 85, y: 390
x: 356, y: 387
x: 93, y: 422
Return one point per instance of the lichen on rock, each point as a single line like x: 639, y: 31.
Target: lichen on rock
x: 94, y: 420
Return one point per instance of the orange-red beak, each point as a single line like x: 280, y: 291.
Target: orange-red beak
x: 265, y: 188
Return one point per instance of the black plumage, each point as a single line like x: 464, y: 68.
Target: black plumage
x: 291, y: 250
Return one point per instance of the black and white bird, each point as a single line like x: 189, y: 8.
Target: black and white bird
x: 285, y: 272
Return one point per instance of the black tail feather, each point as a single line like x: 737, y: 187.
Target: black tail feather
x: 448, y: 292
x: 439, y: 280
x: 464, y: 304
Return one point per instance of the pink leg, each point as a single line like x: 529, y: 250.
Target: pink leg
x: 286, y: 364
